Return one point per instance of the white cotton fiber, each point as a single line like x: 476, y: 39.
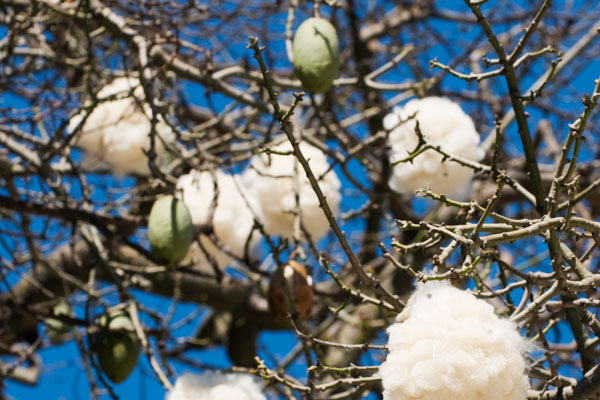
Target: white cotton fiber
x: 232, y: 219
x: 117, y: 132
x: 272, y: 179
x: 215, y: 386
x: 449, y: 345
x: 443, y: 123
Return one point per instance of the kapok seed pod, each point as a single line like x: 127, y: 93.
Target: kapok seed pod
x: 117, y: 351
x: 316, y: 54
x: 57, y: 330
x: 170, y: 229
x: 299, y: 284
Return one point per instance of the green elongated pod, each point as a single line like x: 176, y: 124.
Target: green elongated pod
x: 170, y: 229
x: 316, y: 54
x: 116, y: 346
x: 58, y: 330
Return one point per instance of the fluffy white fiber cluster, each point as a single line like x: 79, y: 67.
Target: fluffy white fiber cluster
x: 272, y: 180
x: 444, y: 124
x: 117, y: 132
x: 214, y: 386
x: 449, y: 345
x: 265, y: 192
x: 232, y: 218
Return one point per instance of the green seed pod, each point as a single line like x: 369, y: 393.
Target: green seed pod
x: 316, y: 54
x: 57, y: 330
x: 117, y: 352
x: 170, y: 229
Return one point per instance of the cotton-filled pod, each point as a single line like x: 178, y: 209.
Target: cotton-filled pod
x: 272, y: 179
x: 116, y: 134
x: 215, y: 386
x: 443, y: 123
x: 449, y: 345
x: 231, y: 213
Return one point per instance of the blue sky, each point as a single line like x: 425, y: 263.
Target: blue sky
x: 63, y: 377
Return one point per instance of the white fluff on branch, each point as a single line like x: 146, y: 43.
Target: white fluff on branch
x: 117, y: 131
x: 232, y: 218
x: 275, y: 179
x: 214, y: 386
x: 443, y: 123
x: 449, y: 345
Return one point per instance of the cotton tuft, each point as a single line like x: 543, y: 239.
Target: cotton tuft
x: 271, y: 179
x: 443, y: 123
x: 449, y: 345
x: 215, y: 386
x: 117, y: 132
x: 232, y: 218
